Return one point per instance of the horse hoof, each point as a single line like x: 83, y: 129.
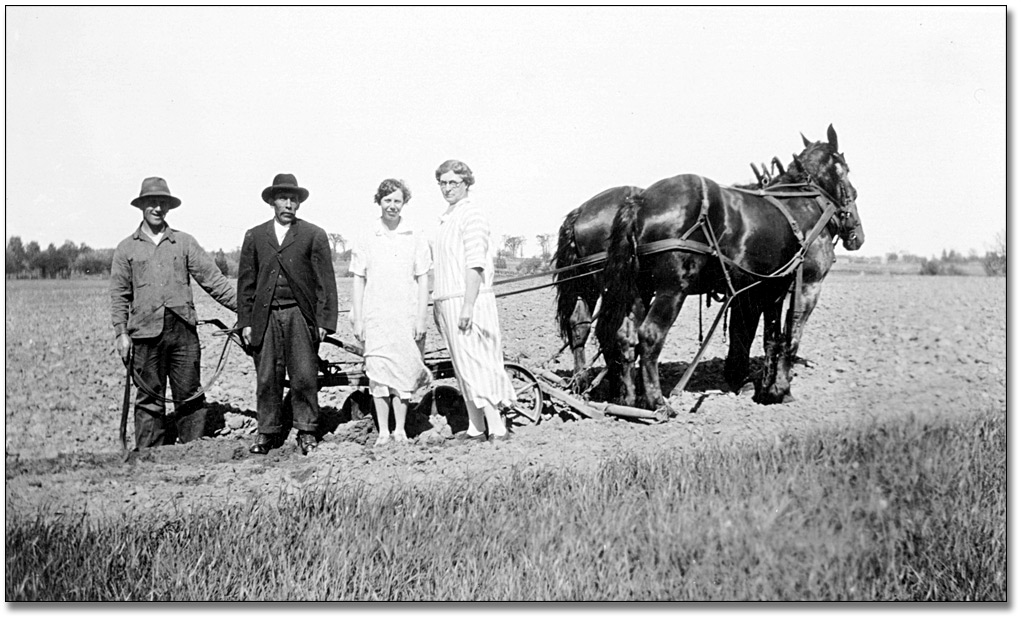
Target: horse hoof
x: 773, y: 398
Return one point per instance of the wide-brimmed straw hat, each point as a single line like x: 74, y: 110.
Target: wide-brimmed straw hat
x: 155, y: 187
x: 282, y: 182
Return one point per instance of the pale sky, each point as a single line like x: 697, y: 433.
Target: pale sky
x: 549, y: 106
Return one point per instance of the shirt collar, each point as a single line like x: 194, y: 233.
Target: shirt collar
x: 452, y: 207
x: 168, y: 233
x: 402, y: 228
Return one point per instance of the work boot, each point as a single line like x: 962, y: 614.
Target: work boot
x: 307, y: 442
x: 264, y: 443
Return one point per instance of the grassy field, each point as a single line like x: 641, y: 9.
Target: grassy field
x: 908, y: 510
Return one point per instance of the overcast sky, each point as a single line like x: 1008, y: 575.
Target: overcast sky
x: 549, y: 106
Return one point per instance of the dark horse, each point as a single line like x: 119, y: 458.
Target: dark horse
x: 741, y: 244
x: 582, y: 242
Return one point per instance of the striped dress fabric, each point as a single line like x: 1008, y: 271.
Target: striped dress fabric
x: 462, y: 242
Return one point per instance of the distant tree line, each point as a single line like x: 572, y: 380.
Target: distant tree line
x: 527, y: 265
x: 71, y: 260
x: 30, y: 261
x: 995, y: 262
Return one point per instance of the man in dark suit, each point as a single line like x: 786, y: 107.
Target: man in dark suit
x: 287, y: 303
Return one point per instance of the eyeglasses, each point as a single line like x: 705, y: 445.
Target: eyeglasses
x: 450, y: 183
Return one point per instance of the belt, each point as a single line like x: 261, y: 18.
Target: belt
x: 488, y: 290
x: 277, y: 307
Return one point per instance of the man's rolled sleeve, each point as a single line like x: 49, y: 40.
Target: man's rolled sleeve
x: 206, y: 273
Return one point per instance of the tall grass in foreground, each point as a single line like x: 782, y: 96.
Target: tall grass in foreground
x: 907, y: 511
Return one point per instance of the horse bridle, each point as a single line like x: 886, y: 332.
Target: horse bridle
x: 842, y: 210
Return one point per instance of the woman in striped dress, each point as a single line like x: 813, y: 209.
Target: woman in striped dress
x: 465, y: 308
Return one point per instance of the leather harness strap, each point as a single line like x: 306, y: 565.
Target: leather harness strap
x: 787, y: 214
x: 693, y: 246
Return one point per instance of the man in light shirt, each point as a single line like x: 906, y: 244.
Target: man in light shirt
x: 153, y: 312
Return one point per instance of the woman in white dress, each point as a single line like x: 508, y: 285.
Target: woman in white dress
x: 390, y: 294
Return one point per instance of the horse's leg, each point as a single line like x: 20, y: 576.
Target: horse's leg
x: 581, y: 320
x: 619, y: 355
x: 774, y: 386
x: 810, y: 295
x: 745, y: 314
x: 652, y: 333
x: 629, y: 341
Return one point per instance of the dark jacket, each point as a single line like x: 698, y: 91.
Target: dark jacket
x: 306, y: 260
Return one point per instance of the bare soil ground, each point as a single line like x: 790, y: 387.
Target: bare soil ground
x: 877, y: 347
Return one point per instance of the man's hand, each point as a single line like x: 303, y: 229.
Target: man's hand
x: 322, y: 334
x: 123, y: 345
x: 420, y: 329
x: 358, y: 328
x: 246, y: 336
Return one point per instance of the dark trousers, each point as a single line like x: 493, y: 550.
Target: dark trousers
x: 175, y: 355
x: 289, y: 347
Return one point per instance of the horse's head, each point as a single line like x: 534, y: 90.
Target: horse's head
x: 822, y: 164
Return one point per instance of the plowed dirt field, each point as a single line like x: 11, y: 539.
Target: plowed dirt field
x: 876, y: 347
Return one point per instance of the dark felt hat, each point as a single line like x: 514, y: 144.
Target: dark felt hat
x: 283, y: 182
x: 155, y: 187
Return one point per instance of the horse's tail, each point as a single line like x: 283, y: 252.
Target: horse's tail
x: 568, y: 288
x: 621, y: 272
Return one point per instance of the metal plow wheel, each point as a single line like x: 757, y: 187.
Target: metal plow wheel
x: 528, y: 405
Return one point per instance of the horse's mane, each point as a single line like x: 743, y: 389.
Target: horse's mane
x: 807, y: 163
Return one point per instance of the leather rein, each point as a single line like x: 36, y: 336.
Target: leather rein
x: 232, y: 334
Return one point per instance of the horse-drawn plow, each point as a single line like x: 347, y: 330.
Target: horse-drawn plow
x: 752, y: 248
x: 538, y: 390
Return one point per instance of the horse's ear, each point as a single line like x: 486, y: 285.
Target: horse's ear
x: 832, y: 137
x: 759, y: 178
x: 805, y: 142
